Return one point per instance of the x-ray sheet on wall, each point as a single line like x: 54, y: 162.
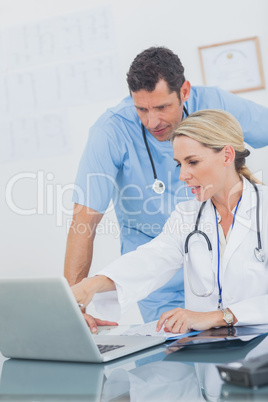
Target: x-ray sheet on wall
x: 47, y: 67
x: 33, y: 136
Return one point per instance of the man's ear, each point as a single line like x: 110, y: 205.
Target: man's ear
x: 229, y: 155
x: 185, y: 91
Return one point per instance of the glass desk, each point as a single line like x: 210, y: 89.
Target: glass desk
x: 189, y: 374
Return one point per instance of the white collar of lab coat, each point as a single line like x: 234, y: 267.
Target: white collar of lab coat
x: 245, y: 219
x: 248, y: 201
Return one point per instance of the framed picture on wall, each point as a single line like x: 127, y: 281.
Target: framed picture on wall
x: 234, y: 66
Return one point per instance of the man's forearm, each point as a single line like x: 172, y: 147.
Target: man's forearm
x: 78, y: 257
x: 79, y: 250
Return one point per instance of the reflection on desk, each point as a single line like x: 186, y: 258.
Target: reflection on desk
x: 151, y: 376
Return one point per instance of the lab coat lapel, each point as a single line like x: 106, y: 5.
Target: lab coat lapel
x: 209, y: 227
x: 244, y: 220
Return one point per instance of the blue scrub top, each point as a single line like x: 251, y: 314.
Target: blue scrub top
x: 115, y: 165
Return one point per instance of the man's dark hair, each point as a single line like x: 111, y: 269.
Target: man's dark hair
x: 152, y: 65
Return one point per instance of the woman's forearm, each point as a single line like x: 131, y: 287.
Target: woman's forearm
x: 182, y: 320
x: 85, y: 290
x: 102, y: 283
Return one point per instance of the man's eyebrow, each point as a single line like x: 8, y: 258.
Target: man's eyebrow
x: 154, y: 107
x: 163, y: 104
x: 139, y: 107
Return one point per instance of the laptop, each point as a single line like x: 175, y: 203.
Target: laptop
x: 41, y: 320
x: 59, y: 381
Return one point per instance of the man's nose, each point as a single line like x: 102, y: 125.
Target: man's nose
x: 153, y: 119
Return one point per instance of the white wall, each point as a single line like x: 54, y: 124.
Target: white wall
x: 35, y: 245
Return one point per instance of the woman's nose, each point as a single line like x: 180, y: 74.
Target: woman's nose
x: 184, y: 174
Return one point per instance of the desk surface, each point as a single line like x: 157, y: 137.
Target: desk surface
x: 153, y: 375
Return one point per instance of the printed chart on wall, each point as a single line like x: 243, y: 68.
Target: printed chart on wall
x: 47, y: 67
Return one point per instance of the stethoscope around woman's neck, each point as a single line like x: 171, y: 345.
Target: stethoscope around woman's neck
x: 258, y: 252
x: 158, y: 185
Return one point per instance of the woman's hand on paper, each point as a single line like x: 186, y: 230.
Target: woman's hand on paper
x: 182, y: 321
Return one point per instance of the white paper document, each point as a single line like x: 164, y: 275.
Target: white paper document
x: 149, y: 329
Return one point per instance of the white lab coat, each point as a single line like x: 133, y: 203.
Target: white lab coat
x: 244, y: 280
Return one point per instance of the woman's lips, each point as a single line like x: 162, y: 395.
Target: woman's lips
x: 195, y: 189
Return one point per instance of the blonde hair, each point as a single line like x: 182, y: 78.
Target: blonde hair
x: 215, y: 129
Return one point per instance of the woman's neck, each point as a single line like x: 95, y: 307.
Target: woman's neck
x: 226, y: 200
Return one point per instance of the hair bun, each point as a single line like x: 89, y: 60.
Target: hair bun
x: 246, y: 152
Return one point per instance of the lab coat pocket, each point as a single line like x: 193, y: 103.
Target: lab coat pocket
x: 255, y: 278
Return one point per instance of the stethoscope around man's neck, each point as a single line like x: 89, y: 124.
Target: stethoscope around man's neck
x: 158, y: 185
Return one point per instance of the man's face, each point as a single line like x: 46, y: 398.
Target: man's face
x: 160, y: 111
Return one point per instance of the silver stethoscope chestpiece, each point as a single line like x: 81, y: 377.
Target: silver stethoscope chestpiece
x: 259, y: 254
x: 158, y: 186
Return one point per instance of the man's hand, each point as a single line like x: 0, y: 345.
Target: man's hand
x: 94, y: 322
x: 181, y: 320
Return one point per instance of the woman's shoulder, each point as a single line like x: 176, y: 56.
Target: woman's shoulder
x: 187, y: 209
x: 262, y: 188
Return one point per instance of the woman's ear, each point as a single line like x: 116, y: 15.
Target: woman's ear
x: 229, y: 155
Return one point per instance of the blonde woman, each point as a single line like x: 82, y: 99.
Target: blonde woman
x: 220, y: 237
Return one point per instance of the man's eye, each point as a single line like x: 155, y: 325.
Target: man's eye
x: 140, y: 109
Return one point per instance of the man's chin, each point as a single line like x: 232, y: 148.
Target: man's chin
x: 163, y: 137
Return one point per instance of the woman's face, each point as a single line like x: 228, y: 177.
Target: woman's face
x: 202, y: 169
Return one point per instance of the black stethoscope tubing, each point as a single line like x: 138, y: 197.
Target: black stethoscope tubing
x: 148, y: 149
x: 257, y: 251
x: 197, y: 231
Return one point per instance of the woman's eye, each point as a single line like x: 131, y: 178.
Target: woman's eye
x: 193, y: 162
x: 178, y: 165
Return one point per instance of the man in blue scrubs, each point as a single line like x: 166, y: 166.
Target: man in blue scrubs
x: 116, y: 165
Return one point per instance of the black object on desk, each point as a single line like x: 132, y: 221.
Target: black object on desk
x: 247, y: 373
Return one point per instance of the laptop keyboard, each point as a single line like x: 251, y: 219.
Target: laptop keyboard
x: 108, y: 348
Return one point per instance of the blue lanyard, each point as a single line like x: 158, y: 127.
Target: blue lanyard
x: 218, y: 249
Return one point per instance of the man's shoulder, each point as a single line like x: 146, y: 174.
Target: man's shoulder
x: 125, y: 110
x: 116, y: 125
x: 123, y: 107
x: 199, y: 89
x: 202, y: 97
